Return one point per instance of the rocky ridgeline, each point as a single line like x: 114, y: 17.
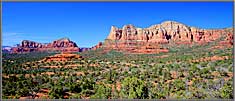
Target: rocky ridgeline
x: 140, y: 40
x: 61, y: 45
x: 149, y: 40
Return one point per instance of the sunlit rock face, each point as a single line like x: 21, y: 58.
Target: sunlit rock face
x: 61, y: 45
x: 132, y: 39
x: 148, y: 40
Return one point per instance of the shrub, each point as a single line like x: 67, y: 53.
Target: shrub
x: 133, y: 88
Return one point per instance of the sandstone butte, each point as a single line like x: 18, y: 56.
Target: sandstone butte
x: 61, y: 45
x: 132, y: 39
x: 150, y: 40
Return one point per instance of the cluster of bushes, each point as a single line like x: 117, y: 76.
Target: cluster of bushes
x: 115, y: 75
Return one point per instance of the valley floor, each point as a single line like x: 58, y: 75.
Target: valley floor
x: 182, y: 73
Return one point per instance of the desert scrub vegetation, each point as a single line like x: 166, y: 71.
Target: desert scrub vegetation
x: 183, y: 73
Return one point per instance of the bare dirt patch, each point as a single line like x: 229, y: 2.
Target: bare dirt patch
x: 213, y: 58
x: 174, y: 74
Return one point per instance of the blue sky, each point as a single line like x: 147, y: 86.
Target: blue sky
x: 88, y: 23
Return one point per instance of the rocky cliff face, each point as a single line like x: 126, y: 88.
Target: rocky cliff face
x: 140, y: 40
x: 99, y: 45
x: 148, y: 40
x: 62, y: 45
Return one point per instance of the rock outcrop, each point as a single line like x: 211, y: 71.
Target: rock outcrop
x: 6, y: 49
x: 131, y: 39
x: 84, y: 49
x: 61, y: 45
x: 150, y: 40
x: 99, y: 45
x: 62, y: 57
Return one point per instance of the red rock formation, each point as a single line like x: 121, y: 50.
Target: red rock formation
x: 148, y: 40
x: 140, y: 40
x: 228, y: 39
x: 62, y: 45
x: 62, y: 57
x: 84, y: 49
x: 99, y: 45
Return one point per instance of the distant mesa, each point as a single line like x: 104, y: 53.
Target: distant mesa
x: 61, y: 45
x: 6, y: 49
x: 83, y: 49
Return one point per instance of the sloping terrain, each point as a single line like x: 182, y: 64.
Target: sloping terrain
x: 185, y: 72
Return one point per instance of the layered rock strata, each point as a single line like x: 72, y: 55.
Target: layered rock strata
x: 150, y: 40
x: 61, y: 45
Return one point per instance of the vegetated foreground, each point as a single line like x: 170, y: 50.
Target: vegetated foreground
x: 185, y: 72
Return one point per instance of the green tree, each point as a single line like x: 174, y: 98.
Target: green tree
x: 56, y: 92
x: 102, y: 92
x: 133, y: 88
x: 226, y: 92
